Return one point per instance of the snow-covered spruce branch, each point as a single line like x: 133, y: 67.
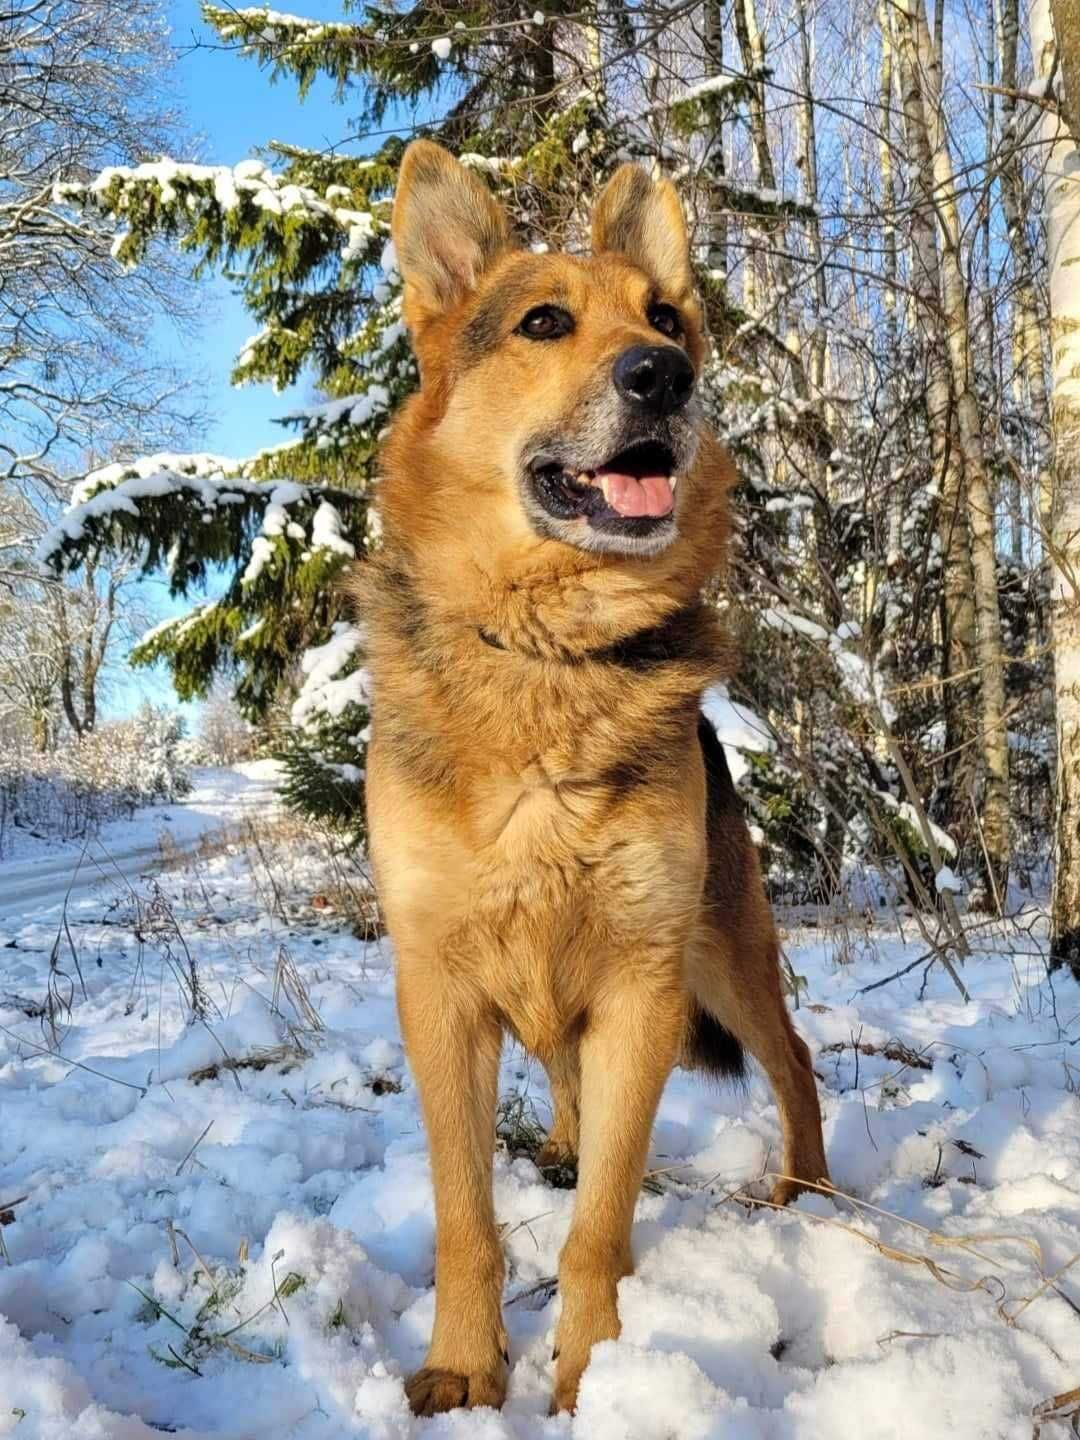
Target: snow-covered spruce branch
x: 165, y: 493
x: 218, y: 208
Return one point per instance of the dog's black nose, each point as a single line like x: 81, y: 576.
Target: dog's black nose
x: 656, y: 378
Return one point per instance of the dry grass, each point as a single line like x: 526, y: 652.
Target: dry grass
x: 1063, y: 1409
x: 271, y: 844
x: 978, y: 1262
x: 204, y: 1336
x: 282, y: 1058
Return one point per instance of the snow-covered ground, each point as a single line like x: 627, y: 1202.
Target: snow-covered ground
x: 208, y: 1248
x: 43, y: 872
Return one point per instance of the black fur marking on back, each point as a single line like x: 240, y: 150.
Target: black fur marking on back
x: 723, y: 798
x: 710, y: 1045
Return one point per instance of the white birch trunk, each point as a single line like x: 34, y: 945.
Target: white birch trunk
x: 1061, y: 191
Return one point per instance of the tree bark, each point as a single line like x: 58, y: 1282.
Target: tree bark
x: 1065, y: 19
x: 958, y: 582
x: 717, y: 167
x: 890, y: 264
x: 1061, y: 195
x: 809, y: 167
x: 1028, y: 361
x: 924, y: 102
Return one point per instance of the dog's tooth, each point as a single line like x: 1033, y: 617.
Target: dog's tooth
x: 605, y: 486
x: 673, y: 480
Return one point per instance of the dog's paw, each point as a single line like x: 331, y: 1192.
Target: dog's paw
x: 787, y: 1190
x: 567, y: 1382
x: 555, y: 1152
x: 558, y: 1163
x: 431, y: 1390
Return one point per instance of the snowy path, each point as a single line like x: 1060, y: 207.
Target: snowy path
x: 128, y: 849
x: 295, y: 1191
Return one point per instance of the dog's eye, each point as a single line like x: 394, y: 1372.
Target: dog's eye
x: 665, y: 318
x: 546, y: 322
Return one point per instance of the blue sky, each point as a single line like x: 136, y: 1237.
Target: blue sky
x: 230, y: 104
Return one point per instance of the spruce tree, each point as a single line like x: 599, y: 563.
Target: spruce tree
x: 542, y: 103
x: 305, y: 236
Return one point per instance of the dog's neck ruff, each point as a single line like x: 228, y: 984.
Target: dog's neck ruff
x: 685, y: 634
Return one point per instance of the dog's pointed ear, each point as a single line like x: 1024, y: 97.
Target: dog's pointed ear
x: 643, y: 220
x: 447, y: 230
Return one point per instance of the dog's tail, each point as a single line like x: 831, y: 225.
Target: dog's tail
x: 712, y: 1047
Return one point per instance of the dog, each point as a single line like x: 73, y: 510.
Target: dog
x: 557, y: 845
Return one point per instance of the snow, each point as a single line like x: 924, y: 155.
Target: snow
x: 282, y: 495
x: 38, y: 872
x: 325, y: 691
x: 231, y: 186
x: 299, y: 1202
x: 489, y: 164
x: 326, y: 531
x: 737, y: 728
x: 262, y: 552
x: 947, y: 880
x: 780, y: 619
x: 119, y: 488
x: 908, y: 813
x: 712, y: 85
x: 440, y: 48
x: 356, y: 410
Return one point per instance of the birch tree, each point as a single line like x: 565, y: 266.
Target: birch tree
x: 1057, y: 56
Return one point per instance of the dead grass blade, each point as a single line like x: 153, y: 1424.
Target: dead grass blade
x: 287, y: 1056
x: 76, y: 1064
x: 288, y: 985
x: 991, y: 1284
x: 1064, y: 1408
x: 191, y: 1152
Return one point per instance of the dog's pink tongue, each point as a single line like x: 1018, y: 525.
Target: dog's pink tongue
x: 649, y: 495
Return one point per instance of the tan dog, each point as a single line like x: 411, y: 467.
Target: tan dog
x: 558, y: 847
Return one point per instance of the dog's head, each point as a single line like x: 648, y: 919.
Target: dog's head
x: 560, y: 390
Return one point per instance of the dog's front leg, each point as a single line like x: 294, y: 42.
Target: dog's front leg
x: 629, y: 1045
x: 453, y: 1048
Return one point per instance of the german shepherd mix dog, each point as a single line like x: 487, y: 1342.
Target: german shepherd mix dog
x: 557, y: 844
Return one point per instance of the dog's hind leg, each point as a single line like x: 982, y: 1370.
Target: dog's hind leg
x: 628, y: 1047
x: 564, y: 1077
x: 736, y: 981
x: 453, y: 1047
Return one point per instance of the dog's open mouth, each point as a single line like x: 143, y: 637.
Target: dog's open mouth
x: 637, y: 483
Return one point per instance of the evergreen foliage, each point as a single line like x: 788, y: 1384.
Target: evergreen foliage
x: 836, y: 595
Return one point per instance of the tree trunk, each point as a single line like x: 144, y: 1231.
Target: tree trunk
x: 925, y: 105
x: 1028, y: 361
x: 757, y: 267
x: 890, y: 264
x: 809, y: 168
x: 717, y: 167
x: 1061, y: 188
x: 958, y: 587
x: 1065, y: 19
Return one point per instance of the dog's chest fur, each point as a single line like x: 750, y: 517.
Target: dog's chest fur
x: 555, y: 812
